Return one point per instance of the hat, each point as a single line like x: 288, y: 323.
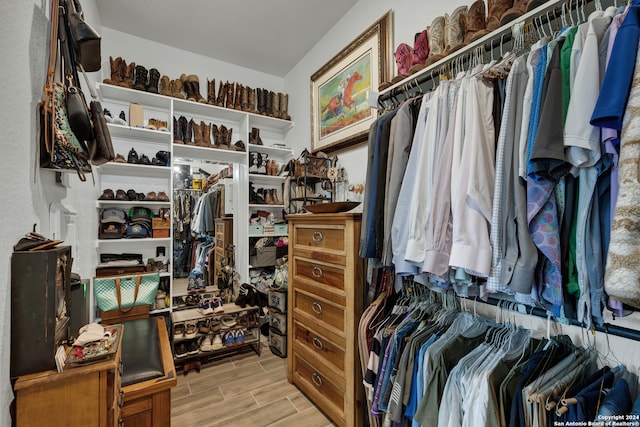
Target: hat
x: 140, y: 214
x: 137, y: 231
x: 113, y: 215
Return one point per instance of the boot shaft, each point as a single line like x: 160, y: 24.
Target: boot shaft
x: 177, y: 131
x: 275, y: 105
x: 187, y: 137
x: 454, y: 29
x: 140, y: 81
x: 436, y: 36
x: 206, y: 133
x: 197, y: 133
x: 154, y: 79
x: 284, y: 107
x: 176, y: 89
x: 127, y: 74
x: 211, y: 91
x: 251, y: 96
x: 221, y: 95
x: 215, y: 133
x: 165, y: 86
x: 237, y: 104
x: 229, y: 96
x: 475, y: 22
x: 260, y: 101
x: 495, y: 10
x: 244, y: 99
x: 194, y: 82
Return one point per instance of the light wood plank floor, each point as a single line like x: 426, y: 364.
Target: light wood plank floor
x: 243, y: 389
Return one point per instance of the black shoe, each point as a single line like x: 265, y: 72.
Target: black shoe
x: 144, y: 160
x: 133, y: 156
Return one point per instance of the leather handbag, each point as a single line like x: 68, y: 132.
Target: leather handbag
x: 59, y: 146
x: 101, y: 148
x: 125, y: 292
x: 85, y: 40
x: 77, y: 109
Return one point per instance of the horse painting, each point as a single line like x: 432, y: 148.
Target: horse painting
x: 338, y: 103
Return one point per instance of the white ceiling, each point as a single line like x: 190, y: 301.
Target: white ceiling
x: 270, y: 36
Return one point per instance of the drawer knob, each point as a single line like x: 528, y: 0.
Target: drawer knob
x: 317, y: 343
x: 317, y: 379
x: 316, y: 272
x: 316, y: 307
x: 317, y: 236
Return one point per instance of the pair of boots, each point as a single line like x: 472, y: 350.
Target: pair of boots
x: 270, y: 196
x: 446, y: 33
x: 225, y: 96
x: 121, y: 73
x: 146, y: 80
x: 191, y: 86
x: 222, y: 137
x: 183, y: 130
x: 170, y: 87
x: 410, y: 60
x: 271, y: 168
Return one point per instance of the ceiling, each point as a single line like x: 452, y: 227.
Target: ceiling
x: 270, y: 36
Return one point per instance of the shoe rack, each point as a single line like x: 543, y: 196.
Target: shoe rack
x: 146, y: 139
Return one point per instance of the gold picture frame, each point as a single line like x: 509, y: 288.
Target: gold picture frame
x: 340, y: 113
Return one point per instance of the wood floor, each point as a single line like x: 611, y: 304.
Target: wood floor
x: 242, y: 390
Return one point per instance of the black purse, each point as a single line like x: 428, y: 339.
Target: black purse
x: 77, y: 109
x: 85, y: 40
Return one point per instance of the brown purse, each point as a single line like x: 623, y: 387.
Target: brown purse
x: 85, y: 40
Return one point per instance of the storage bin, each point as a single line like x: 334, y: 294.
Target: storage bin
x: 160, y: 223
x: 159, y: 233
x: 281, y: 228
x: 278, y: 300
x: 278, y: 321
x: 277, y: 343
x: 256, y: 230
x: 263, y: 257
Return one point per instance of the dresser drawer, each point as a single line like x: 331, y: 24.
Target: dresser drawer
x: 321, y: 386
x: 320, y: 241
x: 314, y: 309
x: 321, y: 274
x: 307, y: 340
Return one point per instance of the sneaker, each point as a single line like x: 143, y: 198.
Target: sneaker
x: 217, y: 305
x: 191, y: 330
x: 206, y: 343
x: 181, y: 349
x: 229, y: 339
x: 178, y: 330
x: 194, y: 348
x: 239, y: 336
x: 217, y: 342
x: 192, y: 286
x: 214, y: 325
x: 207, y: 307
x: 200, y: 285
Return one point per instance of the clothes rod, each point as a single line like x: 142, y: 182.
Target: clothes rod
x: 543, y: 14
x: 608, y: 328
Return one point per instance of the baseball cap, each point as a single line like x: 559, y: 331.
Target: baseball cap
x: 113, y: 215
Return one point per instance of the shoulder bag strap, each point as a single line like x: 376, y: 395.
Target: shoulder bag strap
x: 135, y: 295
x: 51, y: 70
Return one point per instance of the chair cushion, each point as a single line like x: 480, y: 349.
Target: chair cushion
x: 141, y: 354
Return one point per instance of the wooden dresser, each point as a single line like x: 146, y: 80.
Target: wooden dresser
x: 78, y: 396
x: 325, y: 300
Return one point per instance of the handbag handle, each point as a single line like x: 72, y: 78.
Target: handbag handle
x: 135, y: 295
x: 51, y: 71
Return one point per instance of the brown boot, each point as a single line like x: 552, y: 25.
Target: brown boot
x: 268, y: 103
x: 274, y: 195
x: 206, y: 134
x: 454, y: 29
x: 197, y: 134
x: 195, y: 88
x: 268, y: 198
x: 116, y: 77
x: 254, y: 138
x: 275, y: 105
x: 154, y: 80
x: 436, y: 36
x: 259, y: 102
x: 187, y: 136
x: 176, y: 89
x: 215, y: 133
x: 475, y: 22
x: 177, y: 130
x: 127, y: 74
x: 229, y: 96
x: 519, y: 8
x: 284, y: 106
x: 497, y: 8
x: 140, y: 82
x: 222, y: 141
x: 237, y: 103
x: 244, y: 99
x: 221, y: 93
x: 165, y: 86
x: 251, y: 103
x: 186, y: 86
x: 211, y: 91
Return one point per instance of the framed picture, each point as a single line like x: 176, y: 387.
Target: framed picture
x: 340, y: 114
